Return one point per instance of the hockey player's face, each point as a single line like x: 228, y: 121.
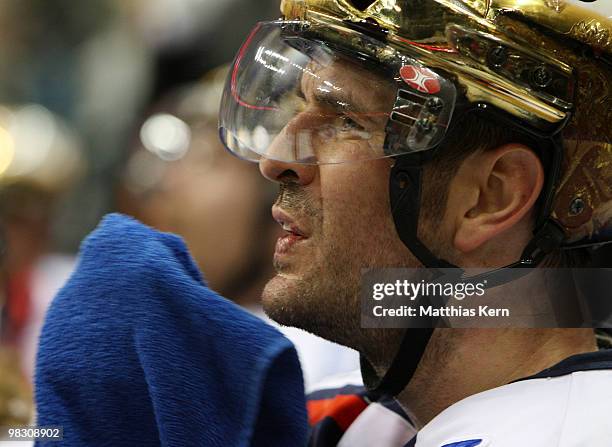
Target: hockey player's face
x: 337, y: 221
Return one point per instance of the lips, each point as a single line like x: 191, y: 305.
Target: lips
x: 293, y: 232
x: 287, y: 222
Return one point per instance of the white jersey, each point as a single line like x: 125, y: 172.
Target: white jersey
x: 568, y: 405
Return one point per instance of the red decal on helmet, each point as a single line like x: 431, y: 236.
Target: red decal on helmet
x: 420, y: 79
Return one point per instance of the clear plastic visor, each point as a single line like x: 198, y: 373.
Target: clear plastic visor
x: 297, y: 97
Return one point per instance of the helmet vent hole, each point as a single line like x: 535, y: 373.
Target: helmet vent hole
x: 362, y: 5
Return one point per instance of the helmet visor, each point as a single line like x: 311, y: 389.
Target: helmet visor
x: 300, y: 94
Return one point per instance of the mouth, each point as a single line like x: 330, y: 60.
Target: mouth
x: 293, y: 233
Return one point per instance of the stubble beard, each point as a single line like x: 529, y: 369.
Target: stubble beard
x: 323, y: 301
x: 324, y: 298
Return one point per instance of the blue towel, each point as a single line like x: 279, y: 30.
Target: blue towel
x: 137, y: 351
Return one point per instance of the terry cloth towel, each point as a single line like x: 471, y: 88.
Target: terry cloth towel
x: 137, y: 351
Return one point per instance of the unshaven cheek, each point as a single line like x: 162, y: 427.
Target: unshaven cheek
x: 356, y: 208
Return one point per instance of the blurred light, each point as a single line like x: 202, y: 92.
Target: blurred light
x: 37, y: 147
x: 166, y: 136
x: 7, y: 150
x: 261, y: 138
x: 34, y: 130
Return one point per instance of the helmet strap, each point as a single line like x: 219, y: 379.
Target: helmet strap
x: 402, y: 367
x: 405, y: 187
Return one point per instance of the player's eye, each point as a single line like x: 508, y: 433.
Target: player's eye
x: 349, y: 124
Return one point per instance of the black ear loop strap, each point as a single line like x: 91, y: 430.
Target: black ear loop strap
x: 405, y: 188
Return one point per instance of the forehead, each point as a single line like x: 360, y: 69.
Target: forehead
x: 341, y: 76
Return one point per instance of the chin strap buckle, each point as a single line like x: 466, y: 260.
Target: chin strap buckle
x: 546, y: 239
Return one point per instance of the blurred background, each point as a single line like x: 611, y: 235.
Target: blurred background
x: 110, y: 105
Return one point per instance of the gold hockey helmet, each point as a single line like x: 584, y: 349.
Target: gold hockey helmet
x: 544, y: 64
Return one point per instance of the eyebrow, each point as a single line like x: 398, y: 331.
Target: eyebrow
x: 335, y: 100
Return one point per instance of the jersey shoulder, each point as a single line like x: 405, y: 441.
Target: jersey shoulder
x: 342, y: 413
x: 566, y: 406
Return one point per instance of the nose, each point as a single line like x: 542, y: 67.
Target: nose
x: 278, y: 171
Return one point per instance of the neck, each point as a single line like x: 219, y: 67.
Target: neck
x: 461, y: 362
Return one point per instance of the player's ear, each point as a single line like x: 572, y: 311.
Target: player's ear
x: 495, y: 190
